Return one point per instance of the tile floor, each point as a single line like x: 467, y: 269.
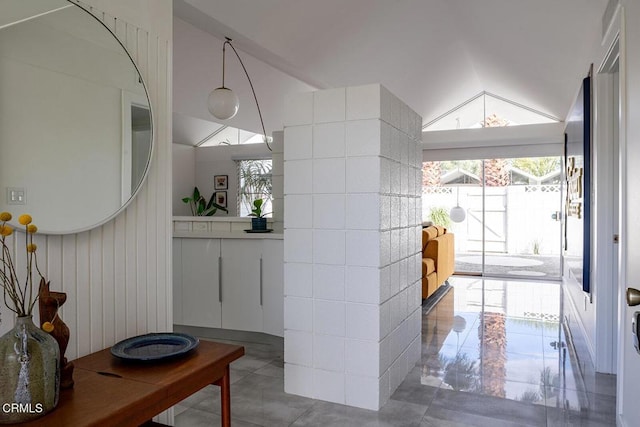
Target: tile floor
x: 493, y: 354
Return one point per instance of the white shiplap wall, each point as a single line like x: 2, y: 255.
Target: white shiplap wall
x: 118, y: 276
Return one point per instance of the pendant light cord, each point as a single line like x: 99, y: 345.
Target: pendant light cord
x: 228, y: 42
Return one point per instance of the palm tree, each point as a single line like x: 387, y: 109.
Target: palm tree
x: 431, y: 173
x: 496, y: 173
x: 255, y: 183
x: 493, y: 348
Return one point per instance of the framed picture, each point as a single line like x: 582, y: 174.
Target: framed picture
x: 221, y: 182
x: 221, y: 198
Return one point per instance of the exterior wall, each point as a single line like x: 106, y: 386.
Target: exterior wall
x: 352, y: 174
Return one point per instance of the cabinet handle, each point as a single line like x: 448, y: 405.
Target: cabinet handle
x: 260, y: 281
x: 219, y: 279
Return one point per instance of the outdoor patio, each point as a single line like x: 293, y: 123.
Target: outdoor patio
x: 522, y: 265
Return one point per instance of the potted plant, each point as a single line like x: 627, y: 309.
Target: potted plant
x: 199, y: 205
x: 259, y: 222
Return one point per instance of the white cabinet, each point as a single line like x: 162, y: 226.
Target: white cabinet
x: 198, y: 287
x: 177, y: 281
x: 229, y: 283
x: 241, y: 293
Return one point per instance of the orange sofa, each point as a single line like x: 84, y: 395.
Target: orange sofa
x: 437, y: 258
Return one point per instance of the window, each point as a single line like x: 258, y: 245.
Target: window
x: 255, y: 183
x: 488, y: 110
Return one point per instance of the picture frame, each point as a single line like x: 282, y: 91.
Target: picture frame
x: 221, y: 198
x: 221, y: 182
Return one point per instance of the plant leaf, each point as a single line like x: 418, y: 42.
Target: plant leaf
x: 186, y: 199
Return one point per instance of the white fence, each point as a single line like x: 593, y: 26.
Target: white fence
x: 518, y: 218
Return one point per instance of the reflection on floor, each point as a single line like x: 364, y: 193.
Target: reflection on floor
x: 493, y: 354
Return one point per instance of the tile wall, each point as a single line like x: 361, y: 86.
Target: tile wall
x: 352, y: 215
x: 277, y: 179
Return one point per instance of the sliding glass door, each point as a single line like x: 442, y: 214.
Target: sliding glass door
x: 504, y: 213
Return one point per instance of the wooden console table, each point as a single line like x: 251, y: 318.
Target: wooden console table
x: 109, y: 392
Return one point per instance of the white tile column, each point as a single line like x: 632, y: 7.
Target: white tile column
x: 352, y: 186
x: 277, y: 180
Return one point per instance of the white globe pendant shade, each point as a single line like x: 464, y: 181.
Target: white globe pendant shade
x: 457, y: 214
x: 459, y: 324
x: 223, y: 103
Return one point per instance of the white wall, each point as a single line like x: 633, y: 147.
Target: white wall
x: 117, y: 276
x: 196, y: 166
x: 592, y: 318
x: 184, y: 177
x: 198, y: 70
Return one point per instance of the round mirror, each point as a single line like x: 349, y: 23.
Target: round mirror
x: 75, y: 121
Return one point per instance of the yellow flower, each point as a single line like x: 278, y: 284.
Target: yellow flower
x: 5, y: 230
x: 31, y: 228
x: 5, y: 216
x: 31, y: 247
x: 47, y: 327
x: 25, y: 219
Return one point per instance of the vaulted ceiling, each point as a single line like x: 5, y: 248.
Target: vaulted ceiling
x: 434, y: 54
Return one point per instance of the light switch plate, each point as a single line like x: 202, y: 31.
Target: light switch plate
x: 16, y: 196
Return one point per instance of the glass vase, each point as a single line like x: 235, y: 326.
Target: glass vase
x: 29, y: 372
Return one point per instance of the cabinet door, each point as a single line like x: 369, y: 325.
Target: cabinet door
x: 200, y: 283
x: 273, y: 286
x: 177, y: 281
x: 241, y: 309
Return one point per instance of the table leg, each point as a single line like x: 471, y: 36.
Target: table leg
x: 225, y: 397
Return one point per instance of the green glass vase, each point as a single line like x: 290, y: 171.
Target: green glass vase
x: 29, y: 372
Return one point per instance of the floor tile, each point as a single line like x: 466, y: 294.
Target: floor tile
x: 576, y: 409
x: 441, y: 417
x: 273, y: 369
x: 196, y: 418
x: 250, y: 363
x: 419, y: 387
x: 393, y: 414
x: 261, y: 400
x: 509, y: 411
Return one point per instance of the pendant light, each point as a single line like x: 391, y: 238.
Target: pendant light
x: 457, y: 214
x: 223, y: 103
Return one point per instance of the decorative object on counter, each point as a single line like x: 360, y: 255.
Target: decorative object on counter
x: 29, y: 357
x: 223, y: 103
x: 221, y: 198
x: 199, y: 205
x: 259, y: 222
x: 221, y: 182
x: 154, y: 346
x: 48, y: 304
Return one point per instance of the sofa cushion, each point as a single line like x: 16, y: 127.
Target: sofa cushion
x: 428, y: 266
x: 440, y: 229
x: 428, y: 234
